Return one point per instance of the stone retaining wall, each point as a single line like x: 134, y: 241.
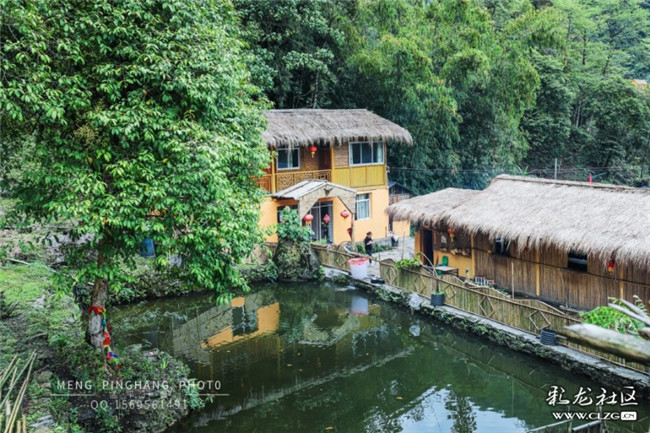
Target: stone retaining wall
x: 596, y: 369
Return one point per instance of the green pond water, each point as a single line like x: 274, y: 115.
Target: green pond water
x: 323, y: 358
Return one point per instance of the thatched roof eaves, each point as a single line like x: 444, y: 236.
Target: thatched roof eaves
x: 607, y: 221
x: 304, y: 127
x: 430, y: 208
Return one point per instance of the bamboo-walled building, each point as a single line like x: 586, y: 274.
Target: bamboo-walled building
x: 328, y: 161
x: 571, y: 243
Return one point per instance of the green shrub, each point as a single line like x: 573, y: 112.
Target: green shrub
x: 408, y: 264
x: 376, y: 248
x: 609, y: 318
x: 290, y: 229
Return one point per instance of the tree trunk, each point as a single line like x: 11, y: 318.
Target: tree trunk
x: 626, y: 346
x: 95, y: 330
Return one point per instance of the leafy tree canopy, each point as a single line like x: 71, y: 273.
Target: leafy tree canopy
x: 144, y: 124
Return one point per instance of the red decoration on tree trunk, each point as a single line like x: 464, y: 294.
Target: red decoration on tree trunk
x: 107, y: 339
x: 96, y: 310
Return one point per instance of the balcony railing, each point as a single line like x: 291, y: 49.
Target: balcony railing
x: 285, y: 180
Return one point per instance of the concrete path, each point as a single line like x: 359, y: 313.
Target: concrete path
x: 405, y: 250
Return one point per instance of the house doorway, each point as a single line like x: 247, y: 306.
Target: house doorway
x: 320, y: 229
x: 427, y: 245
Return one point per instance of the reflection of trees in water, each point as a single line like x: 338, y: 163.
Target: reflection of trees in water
x: 461, y: 412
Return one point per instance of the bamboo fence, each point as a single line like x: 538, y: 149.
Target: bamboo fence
x: 529, y: 315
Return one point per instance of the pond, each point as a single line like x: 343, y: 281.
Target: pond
x: 319, y: 357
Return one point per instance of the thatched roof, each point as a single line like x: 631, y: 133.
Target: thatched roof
x: 304, y: 127
x: 430, y: 208
x: 597, y: 219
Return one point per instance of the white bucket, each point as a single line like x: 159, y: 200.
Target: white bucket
x: 359, y: 267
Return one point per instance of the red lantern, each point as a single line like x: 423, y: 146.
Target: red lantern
x: 611, y: 265
x: 307, y: 218
x: 326, y: 219
x: 313, y: 150
x: 452, y: 233
x: 345, y: 213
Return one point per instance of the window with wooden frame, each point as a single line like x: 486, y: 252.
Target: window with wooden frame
x: 577, y: 261
x: 362, y: 153
x: 502, y: 246
x: 288, y: 159
x: 461, y: 243
x: 363, y: 207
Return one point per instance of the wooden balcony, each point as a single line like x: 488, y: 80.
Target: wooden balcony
x: 362, y: 176
x: 285, y: 180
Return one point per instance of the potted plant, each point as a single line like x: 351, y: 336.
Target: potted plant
x: 437, y: 298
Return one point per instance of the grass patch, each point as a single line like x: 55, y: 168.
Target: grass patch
x: 24, y: 283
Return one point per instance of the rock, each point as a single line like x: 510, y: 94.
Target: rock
x: 39, y: 302
x: 44, y: 376
x: 43, y: 425
x: 134, y: 348
x: 296, y: 261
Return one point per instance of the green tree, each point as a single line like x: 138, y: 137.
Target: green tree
x: 619, y: 117
x: 389, y: 70
x: 144, y: 125
x: 446, y: 73
x: 294, y: 47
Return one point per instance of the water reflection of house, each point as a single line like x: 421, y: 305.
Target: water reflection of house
x: 246, y: 317
x: 328, y: 328
x: 314, y: 345
x: 266, y: 320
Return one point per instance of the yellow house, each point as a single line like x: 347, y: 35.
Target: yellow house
x: 328, y: 161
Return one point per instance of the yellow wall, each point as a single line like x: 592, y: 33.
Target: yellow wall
x: 360, y: 176
x: 269, y: 214
x: 463, y: 263
x: 377, y: 223
x: 402, y: 228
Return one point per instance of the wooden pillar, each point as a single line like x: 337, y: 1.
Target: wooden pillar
x: 332, y: 165
x: 273, y: 185
x: 472, y: 253
x: 538, y: 265
x: 621, y: 283
x: 385, y: 166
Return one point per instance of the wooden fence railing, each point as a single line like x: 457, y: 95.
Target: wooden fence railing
x: 529, y: 315
x: 334, y: 256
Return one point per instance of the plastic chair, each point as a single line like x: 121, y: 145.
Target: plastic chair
x: 443, y: 262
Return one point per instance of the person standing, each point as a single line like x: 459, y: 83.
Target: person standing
x: 368, y: 242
